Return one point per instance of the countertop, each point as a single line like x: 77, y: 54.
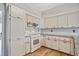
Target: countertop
x: 61, y: 34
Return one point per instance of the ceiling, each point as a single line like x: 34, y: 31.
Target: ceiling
x: 43, y: 6
x: 38, y: 6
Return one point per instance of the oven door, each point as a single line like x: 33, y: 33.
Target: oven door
x: 35, y: 43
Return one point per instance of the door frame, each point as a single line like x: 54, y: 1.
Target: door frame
x: 4, y: 41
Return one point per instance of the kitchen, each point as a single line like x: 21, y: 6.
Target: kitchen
x: 42, y: 29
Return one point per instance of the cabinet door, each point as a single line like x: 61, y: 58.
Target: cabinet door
x: 64, y: 45
x: 48, y: 22
x: 54, y: 43
x: 17, y: 37
x: 54, y: 22
x: 27, y: 45
x: 77, y: 19
x: 72, y: 20
x: 62, y: 21
x: 44, y: 41
x: 48, y: 42
x: 77, y: 49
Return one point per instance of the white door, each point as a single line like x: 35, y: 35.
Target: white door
x: 48, y: 42
x: 55, y: 21
x: 48, y: 22
x: 17, y: 37
x: 62, y: 21
x: 64, y: 45
x: 77, y: 19
x: 72, y: 20
x: 54, y: 43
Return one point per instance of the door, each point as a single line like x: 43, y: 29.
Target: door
x: 77, y: 19
x: 48, y: 23
x: 48, y: 42
x: 17, y: 36
x: 0, y: 28
x: 54, y: 43
x: 72, y: 20
x: 62, y: 21
x: 64, y: 45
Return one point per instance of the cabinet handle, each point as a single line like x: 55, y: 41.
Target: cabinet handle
x: 18, y: 38
x: 48, y: 39
x: 54, y: 40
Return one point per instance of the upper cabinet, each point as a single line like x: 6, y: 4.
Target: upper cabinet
x: 55, y: 22
x: 77, y: 19
x: 50, y: 22
x: 72, y: 20
x: 65, y: 20
x: 62, y: 21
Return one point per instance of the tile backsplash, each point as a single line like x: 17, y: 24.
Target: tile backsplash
x: 67, y: 30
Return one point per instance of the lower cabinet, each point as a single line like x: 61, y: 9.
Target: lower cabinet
x: 48, y: 42
x: 63, y: 44
x: 54, y: 43
x: 27, y: 45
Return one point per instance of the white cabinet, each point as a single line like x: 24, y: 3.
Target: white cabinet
x: 54, y: 41
x: 44, y: 41
x: 77, y: 46
x: 62, y: 21
x: 72, y: 20
x: 54, y: 22
x: 65, y: 45
x: 48, y: 42
x: 77, y: 19
x: 27, y: 45
x: 50, y: 22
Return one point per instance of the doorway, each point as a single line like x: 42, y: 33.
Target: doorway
x: 0, y: 29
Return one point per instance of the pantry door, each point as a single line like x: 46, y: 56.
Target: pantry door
x: 17, y: 36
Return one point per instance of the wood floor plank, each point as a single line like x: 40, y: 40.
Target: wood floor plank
x: 43, y: 51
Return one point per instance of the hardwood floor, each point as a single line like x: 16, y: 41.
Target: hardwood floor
x: 43, y: 51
